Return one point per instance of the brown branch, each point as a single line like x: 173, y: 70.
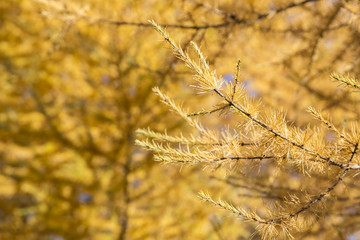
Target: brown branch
x: 320, y: 197
x: 352, y: 83
x: 186, y: 27
x: 236, y: 80
x: 201, y: 75
x: 174, y: 160
x: 209, y: 111
x: 232, y: 17
x: 280, y: 135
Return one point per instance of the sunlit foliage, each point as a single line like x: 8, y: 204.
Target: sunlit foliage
x: 299, y: 174
x: 74, y: 90
x: 270, y: 141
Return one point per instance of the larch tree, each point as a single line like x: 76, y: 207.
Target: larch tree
x: 277, y: 132
x: 289, y: 132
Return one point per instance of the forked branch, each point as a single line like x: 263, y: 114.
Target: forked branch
x: 208, y: 81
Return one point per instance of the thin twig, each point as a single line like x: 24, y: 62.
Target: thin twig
x: 208, y: 111
x: 320, y: 197
x: 278, y: 134
x: 232, y: 17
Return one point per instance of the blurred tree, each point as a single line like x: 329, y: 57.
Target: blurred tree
x: 76, y: 84
x: 74, y: 91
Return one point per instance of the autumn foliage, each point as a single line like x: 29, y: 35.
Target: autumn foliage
x: 252, y: 106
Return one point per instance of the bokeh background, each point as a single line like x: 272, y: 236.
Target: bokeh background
x: 76, y: 83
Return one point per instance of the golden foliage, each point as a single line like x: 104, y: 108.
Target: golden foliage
x: 75, y: 89
x: 81, y: 78
x: 293, y: 153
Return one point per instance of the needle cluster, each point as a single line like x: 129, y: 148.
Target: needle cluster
x: 259, y: 135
